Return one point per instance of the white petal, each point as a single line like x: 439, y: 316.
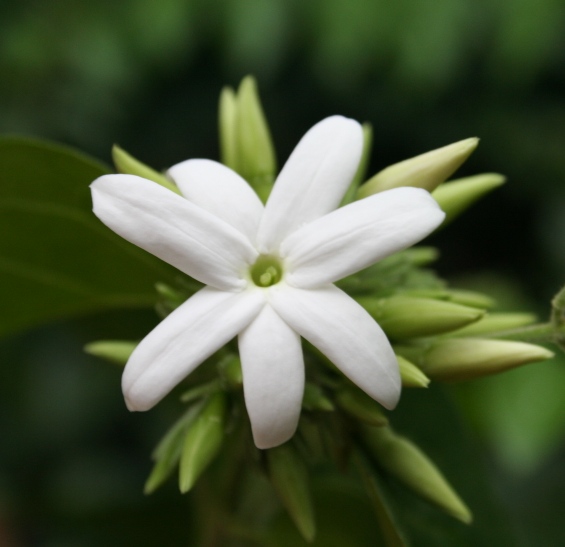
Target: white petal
x: 185, y: 338
x: 313, y: 180
x: 273, y: 378
x: 220, y: 191
x: 358, y: 235
x: 346, y: 334
x: 173, y: 229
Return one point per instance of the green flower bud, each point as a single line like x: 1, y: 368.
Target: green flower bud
x: 167, y: 452
x: 470, y: 298
x: 128, y: 165
x: 227, y: 120
x: 289, y: 477
x: 363, y: 163
x: 115, y: 351
x: 410, y: 374
x: 202, y: 442
x: 457, y: 359
x: 495, y: 322
x: 360, y: 406
x: 407, y: 317
x: 456, y: 196
x: 315, y: 399
x: 426, y: 171
x: 256, y: 159
x: 404, y: 460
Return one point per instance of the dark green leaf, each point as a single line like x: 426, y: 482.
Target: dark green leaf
x: 56, y: 258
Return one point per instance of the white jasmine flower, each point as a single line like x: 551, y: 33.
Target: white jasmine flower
x: 269, y: 272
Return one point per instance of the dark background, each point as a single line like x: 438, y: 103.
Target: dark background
x: 147, y: 75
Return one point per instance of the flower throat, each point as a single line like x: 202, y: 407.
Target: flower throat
x: 266, y: 271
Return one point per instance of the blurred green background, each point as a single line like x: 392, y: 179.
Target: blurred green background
x: 147, y: 74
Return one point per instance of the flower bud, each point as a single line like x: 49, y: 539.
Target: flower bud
x: 128, y: 165
x: 289, y: 477
x: 315, y: 399
x: 115, y: 351
x: 456, y: 196
x: 470, y: 298
x: 457, y: 359
x: 426, y: 171
x: 410, y: 374
x: 360, y: 406
x: 408, y: 317
x: 404, y: 460
x: 495, y: 322
x: 202, y: 442
x: 256, y: 161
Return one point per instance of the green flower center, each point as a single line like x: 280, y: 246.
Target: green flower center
x: 266, y: 271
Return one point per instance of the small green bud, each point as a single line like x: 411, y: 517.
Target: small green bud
x: 315, y: 399
x: 495, y: 322
x: 457, y: 359
x: 115, y: 351
x: 360, y: 406
x: 289, y: 477
x: 456, y: 196
x: 227, y: 120
x: 167, y: 452
x: 426, y: 171
x: 202, y: 442
x: 404, y: 460
x: 408, y: 317
x: 256, y: 159
x: 127, y: 164
x: 363, y: 163
x: 230, y: 371
x: 470, y: 298
x: 410, y: 374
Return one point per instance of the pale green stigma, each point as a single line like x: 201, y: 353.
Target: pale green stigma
x: 266, y: 271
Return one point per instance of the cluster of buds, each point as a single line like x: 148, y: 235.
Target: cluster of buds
x: 437, y: 333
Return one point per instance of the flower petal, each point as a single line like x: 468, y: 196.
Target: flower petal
x: 173, y: 229
x: 220, y: 191
x: 185, y: 338
x: 346, y: 334
x: 358, y: 235
x: 313, y: 180
x: 273, y: 378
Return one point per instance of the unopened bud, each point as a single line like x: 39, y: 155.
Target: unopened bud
x: 408, y: 317
x: 202, y: 442
x: 495, y: 322
x: 410, y: 374
x: 361, y: 407
x: 289, y: 477
x: 426, y: 171
x: 456, y: 196
x: 115, y: 351
x: 405, y: 461
x: 127, y: 164
x: 455, y: 359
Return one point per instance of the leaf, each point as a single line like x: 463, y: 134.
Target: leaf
x: 56, y: 258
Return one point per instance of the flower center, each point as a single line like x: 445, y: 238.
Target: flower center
x: 266, y: 271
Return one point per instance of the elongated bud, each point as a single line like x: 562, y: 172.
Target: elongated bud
x: 470, y: 298
x: 256, y: 154
x: 289, y: 477
x: 408, y: 317
x: 426, y: 171
x: 167, y: 452
x: 405, y: 461
x: 410, y: 374
x: 227, y: 120
x: 455, y: 359
x: 362, y: 168
x: 202, y: 442
x: 456, y: 196
x: 360, y: 406
x: 115, y: 351
x: 127, y: 164
x: 315, y: 399
x: 495, y: 322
